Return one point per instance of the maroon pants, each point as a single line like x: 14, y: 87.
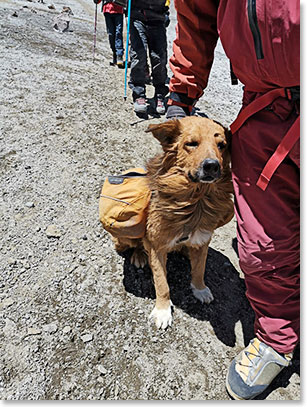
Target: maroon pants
x: 268, y: 224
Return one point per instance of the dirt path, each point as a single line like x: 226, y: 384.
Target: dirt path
x: 73, y: 314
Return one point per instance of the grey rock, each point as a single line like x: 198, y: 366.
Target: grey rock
x: 66, y: 329
x: 34, y: 331
x: 87, y: 338
x: 30, y: 204
x: 102, y: 369
x: 51, y: 328
x: 53, y: 231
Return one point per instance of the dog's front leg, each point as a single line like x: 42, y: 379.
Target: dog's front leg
x: 162, y: 312
x: 198, y: 258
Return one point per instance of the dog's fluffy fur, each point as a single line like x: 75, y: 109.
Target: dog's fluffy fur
x: 191, y: 197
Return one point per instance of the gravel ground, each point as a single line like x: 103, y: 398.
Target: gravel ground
x: 73, y: 314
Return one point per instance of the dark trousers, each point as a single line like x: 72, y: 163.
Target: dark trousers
x: 151, y: 37
x: 114, y: 23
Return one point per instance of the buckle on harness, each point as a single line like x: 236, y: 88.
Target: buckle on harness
x: 293, y: 93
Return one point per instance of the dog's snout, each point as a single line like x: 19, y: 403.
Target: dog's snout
x: 211, y: 166
x: 209, y: 171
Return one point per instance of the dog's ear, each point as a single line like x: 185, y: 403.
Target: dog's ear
x: 166, y: 132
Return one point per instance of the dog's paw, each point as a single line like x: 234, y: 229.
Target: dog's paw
x: 139, y: 258
x: 161, y: 317
x: 204, y: 295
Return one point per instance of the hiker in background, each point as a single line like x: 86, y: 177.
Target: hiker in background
x: 263, y: 45
x: 113, y: 13
x: 148, y: 75
x: 148, y: 31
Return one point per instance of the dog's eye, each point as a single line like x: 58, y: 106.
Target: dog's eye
x: 191, y: 144
x: 221, y: 146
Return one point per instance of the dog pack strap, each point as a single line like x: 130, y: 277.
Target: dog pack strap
x: 280, y: 153
x: 119, y: 179
x: 257, y: 105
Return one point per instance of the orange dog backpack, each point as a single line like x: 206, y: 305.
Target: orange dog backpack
x: 123, y: 204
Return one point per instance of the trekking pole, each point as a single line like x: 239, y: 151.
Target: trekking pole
x: 127, y: 45
x: 95, y: 28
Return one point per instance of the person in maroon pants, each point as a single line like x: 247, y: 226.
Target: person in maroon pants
x: 262, y: 41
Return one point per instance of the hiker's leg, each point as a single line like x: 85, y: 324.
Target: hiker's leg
x: 138, y: 49
x: 268, y: 229
x: 119, y: 46
x: 157, y: 44
x: 110, y: 30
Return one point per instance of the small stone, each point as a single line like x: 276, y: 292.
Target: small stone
x: 87, y: 338
x: 11, y: 261
x: 51, y: 7
x: 125, y: 348
x: 66, y: 329
x: 7, y: 302
x: 51, y: 328
x: 102, y: 369
x: 59, y: 117
x: 53, y: 231
x: 15, y: 14
x: 29, y: 204
x: 34, y: 331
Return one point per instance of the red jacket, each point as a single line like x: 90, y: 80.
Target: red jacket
x: 261, y: 38
x: 112, y: 8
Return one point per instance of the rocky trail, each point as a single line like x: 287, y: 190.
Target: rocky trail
x: 73, y: 313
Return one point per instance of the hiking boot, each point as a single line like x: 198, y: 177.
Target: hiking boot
x: 120, y: 61
x: 253, y: 370
x: 160, y: 108
x: 140, y: 105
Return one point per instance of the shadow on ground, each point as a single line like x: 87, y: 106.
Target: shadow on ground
x: 229, y: 306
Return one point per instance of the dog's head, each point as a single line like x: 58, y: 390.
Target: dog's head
x: 197, y: 145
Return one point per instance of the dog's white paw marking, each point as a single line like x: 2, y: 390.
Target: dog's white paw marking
x: 204, y: 295
x: 161, y: 317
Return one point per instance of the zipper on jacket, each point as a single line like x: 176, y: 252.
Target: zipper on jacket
x: 253, y: 23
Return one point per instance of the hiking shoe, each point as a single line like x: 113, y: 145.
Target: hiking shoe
x: 160, y: 108
x: 140, y: 105
x: 120, y: 61
x: 253, y: 370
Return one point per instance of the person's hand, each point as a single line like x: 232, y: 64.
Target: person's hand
x: 176, y: 112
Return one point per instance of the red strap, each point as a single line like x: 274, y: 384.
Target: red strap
x: 285, y: 145
x: 280, y: 153
x: 255, y: 106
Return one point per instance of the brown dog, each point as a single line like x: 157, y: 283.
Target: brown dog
x: 191, y: 197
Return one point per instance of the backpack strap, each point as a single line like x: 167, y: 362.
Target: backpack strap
x: 287, y: 142
x: 279, y: 155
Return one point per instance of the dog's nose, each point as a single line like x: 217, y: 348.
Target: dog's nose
x: 211, y: 167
